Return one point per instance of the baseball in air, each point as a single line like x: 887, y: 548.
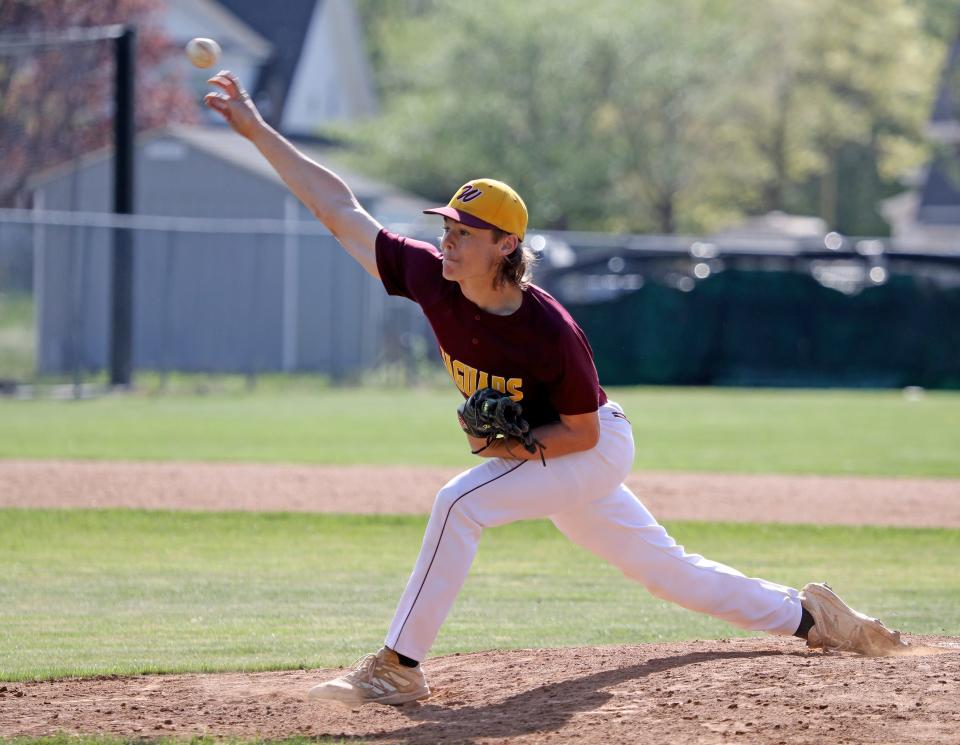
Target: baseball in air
x: 203, y: 52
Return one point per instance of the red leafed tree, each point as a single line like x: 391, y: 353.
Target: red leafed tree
x: 56, y: 101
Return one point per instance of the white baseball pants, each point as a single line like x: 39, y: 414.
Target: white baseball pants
x: 584, y: 495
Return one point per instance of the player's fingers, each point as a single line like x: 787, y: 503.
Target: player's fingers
x: 241, y: 91
x: 222, y: 83
x: 219, y: 83
x: 228, y: 82
x: 234, y: 84
x: 216, y: 101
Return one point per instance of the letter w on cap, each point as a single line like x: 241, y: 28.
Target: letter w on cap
x: 468, y: 193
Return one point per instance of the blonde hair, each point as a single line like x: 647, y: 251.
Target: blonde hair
x: 517, y: 266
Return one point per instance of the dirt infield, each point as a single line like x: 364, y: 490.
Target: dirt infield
x: 748, y: 690
x: 397, y: 489
x: 759, y: 690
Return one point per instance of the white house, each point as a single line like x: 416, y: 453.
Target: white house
x: 304, y: 61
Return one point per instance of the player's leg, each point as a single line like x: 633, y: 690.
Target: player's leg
x: 494, y: 493
x: 621, y: 530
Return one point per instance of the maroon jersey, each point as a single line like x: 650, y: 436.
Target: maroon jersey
x: 538, y: 354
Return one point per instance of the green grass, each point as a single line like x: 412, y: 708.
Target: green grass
x: 113, y: 591
x: 731, y: 430
x: 17, y: 352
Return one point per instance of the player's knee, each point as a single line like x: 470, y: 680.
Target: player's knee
x: 446, y: 498
x: 451, y: 506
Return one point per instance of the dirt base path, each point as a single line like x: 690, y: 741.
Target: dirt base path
x: 749, y: 690
x: 398, y: 489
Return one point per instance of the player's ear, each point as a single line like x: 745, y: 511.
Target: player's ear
x: 508, y: 245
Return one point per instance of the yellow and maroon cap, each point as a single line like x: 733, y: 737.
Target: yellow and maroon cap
x: 485, y: 203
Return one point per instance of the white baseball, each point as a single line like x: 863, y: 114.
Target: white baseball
x: 203, y: 52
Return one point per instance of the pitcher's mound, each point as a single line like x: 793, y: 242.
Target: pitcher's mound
x: 760, y: 689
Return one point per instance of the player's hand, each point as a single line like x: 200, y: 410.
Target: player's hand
x: 233, y: 103
x: 476, y: 443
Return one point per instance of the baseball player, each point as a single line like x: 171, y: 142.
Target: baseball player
x: 497, y: 331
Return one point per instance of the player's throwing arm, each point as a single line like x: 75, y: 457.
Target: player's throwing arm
x: 321, y: 190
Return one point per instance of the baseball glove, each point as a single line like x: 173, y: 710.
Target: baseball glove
x: 493, y: 415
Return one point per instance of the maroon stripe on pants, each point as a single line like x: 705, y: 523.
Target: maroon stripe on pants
x: 396, y: 641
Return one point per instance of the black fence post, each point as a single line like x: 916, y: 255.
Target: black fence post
x: 121, y: 324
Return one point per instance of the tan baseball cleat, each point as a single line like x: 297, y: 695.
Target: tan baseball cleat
x: 839, y: 627
x: 375, y: 679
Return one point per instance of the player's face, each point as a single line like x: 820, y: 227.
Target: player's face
x: 468, y: 253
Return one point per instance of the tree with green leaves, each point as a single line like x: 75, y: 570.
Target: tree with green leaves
x: 658, y: 117
x: 846, y: 90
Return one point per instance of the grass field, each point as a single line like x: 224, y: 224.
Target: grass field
x: 113, y: 591
x: 729, y: 430
x: 17, y: 345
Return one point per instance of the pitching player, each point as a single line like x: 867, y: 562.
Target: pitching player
x: 496, y: 330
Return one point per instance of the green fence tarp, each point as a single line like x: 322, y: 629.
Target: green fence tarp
x: 741, y: 327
